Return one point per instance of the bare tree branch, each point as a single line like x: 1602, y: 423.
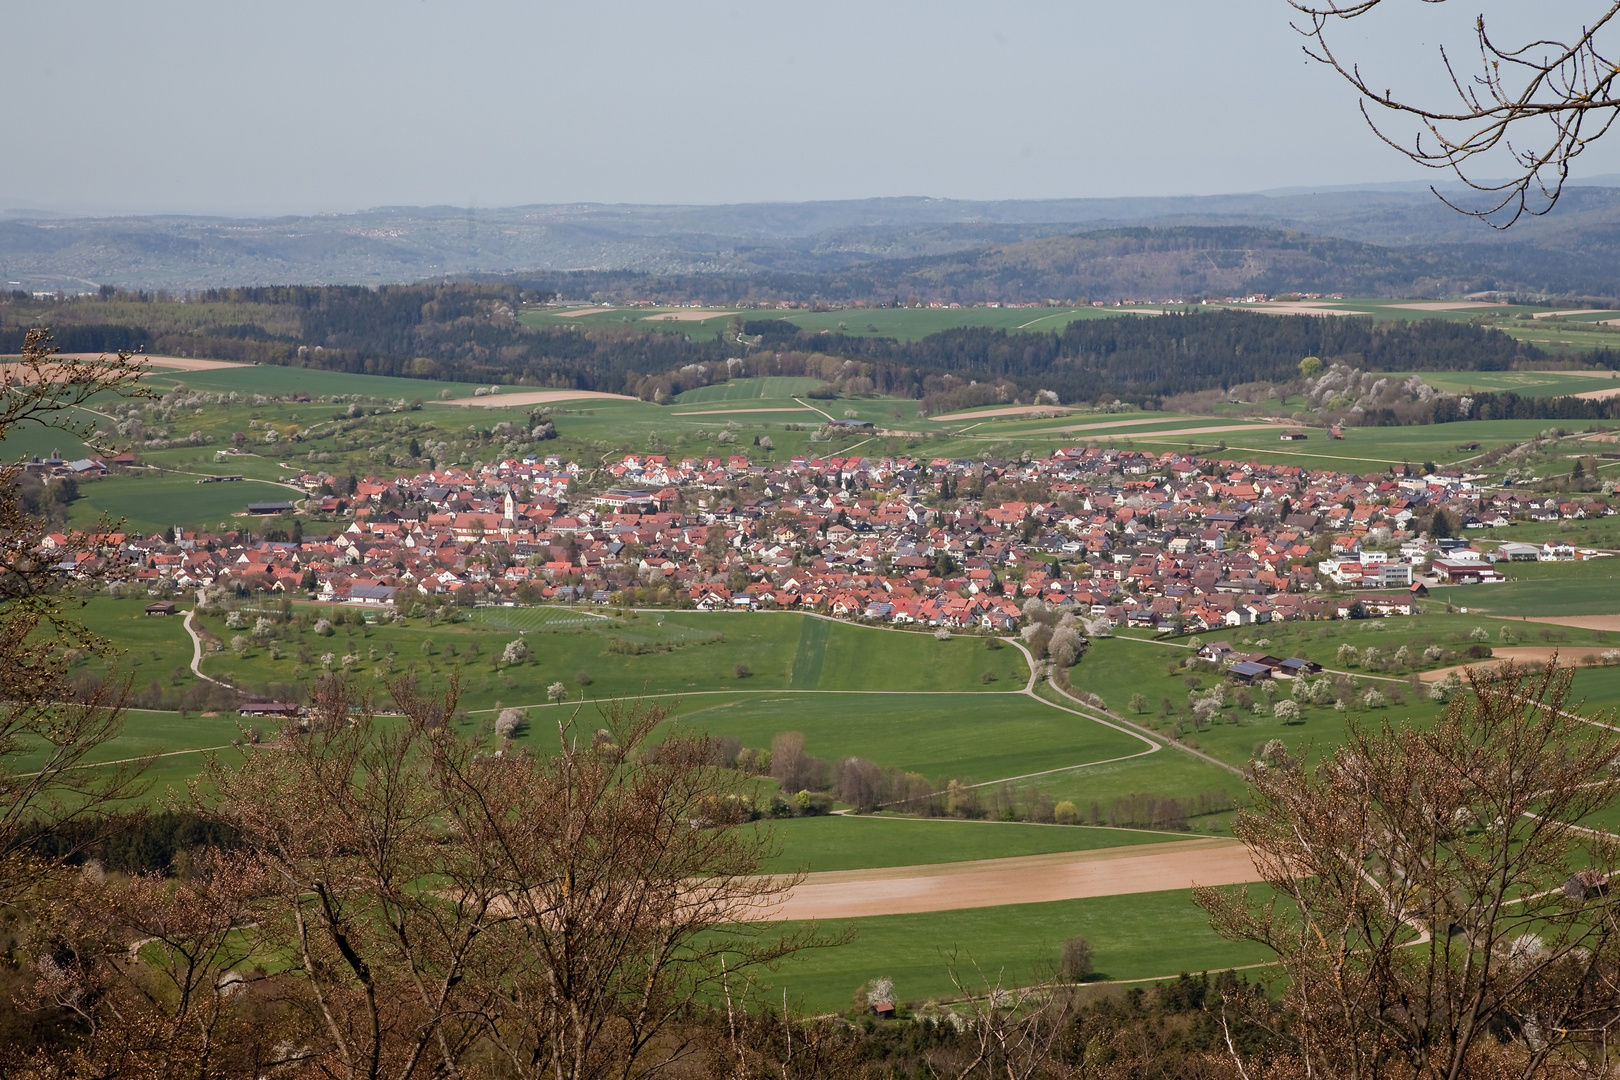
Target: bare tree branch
x: 1530, y: 108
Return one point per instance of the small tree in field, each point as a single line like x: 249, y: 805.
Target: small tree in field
x: 1076, y: 964
x: 510, y: 722
x: 515, y: 652
x: 1139, y: 703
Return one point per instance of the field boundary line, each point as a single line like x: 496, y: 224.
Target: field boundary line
x: 785, y: 690
x: 855, y: 815
x: 141, y: 757
x: 812, y: 408
x: 1142, y: 733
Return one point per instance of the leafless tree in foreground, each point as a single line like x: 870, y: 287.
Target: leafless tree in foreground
x: 37, y: 630
x: 1010, y: 1030
x: 157, y: 977
x: 1529, y: 109
x: 451, y: 912
x: 629, y: 877
x: 1441, y: 901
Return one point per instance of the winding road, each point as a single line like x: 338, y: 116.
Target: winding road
x: 197, y: 651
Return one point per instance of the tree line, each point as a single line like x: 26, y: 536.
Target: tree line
x: 470, y: 331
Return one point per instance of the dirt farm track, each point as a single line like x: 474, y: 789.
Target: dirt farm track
x: 1027, y: 879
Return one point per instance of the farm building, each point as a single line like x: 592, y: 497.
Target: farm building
x: 162, y: 607
x: 269, y: 708
x: 371, y: 594
x: 269, y: 508
x: 1248, y: 672
x: 1464, y: 571
x: 1292, y: 435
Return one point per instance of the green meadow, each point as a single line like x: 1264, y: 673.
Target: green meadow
x: 1145, y: 936
x: 152, y: 502
x: 1523, y: 383
x: 666, y: 653
x: 275, y: 380
x: 863, y: 841
x: 909, y: 324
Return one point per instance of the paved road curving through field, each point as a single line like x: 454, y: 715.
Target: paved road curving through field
x: 1027, y: 879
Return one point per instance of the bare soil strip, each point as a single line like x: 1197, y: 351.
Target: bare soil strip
x: 577, y: 312
x: 685, y: 316
x: 178, y: 363
x: 1537, y: 654
x: 1174, y: 433
x: 727, y: 412
x: 1102, y: 425
x: 1029, y: 879
x: 1582, y: 622
x: 532, y: 397
x: 1010, y: 410
x: 1289, y: 308
x: 1599, y: 395
x: 1446, y: 305
x: 1572, y: 311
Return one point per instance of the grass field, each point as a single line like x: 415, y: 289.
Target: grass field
x: 780, y: 388
x: 971, y: 737
x: 1523, y: 383
x: 152, y: 646
x: 149, y: 504
x: 1135, y: 937
x: 1361, y: 449
x: 1540, y: 589
x: 703, y: 651
x: 272, y: 379
x: 692, y: 323
x: 181, y: 743
x: 909, y: 324
x: 860, y: 841
x: 29, y: 440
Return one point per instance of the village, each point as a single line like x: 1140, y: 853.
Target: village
x: 1121, y: 538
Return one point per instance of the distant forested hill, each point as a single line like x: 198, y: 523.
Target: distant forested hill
x: 1372, y: 242
x: 1182, y: 261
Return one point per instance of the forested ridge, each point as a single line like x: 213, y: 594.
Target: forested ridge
x: 469, y: 331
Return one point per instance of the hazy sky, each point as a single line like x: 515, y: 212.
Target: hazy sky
x: 335, y: 105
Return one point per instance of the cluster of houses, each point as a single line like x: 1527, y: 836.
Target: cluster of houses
x: 1125, y: 537
x: 57, y: 466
